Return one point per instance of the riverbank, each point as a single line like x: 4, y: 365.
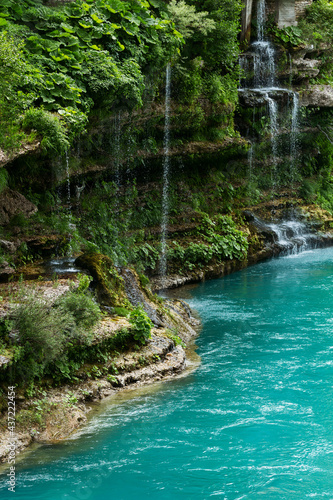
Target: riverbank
x: 50, y: 414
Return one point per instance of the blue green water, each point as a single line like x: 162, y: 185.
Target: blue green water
x: 254, y: 421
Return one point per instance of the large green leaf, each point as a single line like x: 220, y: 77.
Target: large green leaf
x: 67, y: 27
x: 97, y: 19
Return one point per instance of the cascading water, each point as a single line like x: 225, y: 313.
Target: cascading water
x: 273, y: 114
x: 259, y: 64
x: 264, y: 53
x: 261, y: 17
x: 117, y: 148
x: 294, y: 150
x: 291, y: 236
x: 68, y: 184
x: 250, y: 160
x: 166, y: 168
x: 117, y: 160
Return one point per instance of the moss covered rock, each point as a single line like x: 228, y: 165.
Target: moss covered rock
x: 109, y: 285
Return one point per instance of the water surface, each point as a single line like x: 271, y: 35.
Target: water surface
x: 254, y: 421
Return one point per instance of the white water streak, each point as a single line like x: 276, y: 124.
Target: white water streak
x: 166, y: 168
x: 69, y: 205
x: 261, y: 17
x: 273, y: 114
x: 294, y: 151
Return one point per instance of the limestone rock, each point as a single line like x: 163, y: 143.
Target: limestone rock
x: 6, y: 157
x: 317, y: 96
x: 109, y: 285
x: 136, y: 296
x: 4, y: 360
x: 305, y: 68
x: 8, y: 246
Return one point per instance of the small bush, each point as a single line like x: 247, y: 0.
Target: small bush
x: 81, y: 307
x: 50, y: 127
x: 141, y: 325
x: 47, y: 333
x: 42, y: 332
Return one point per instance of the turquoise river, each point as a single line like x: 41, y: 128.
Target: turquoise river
x: 255, y: 420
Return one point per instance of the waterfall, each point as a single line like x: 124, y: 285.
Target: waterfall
x: 261, y: 18
x: 264, y: 64
x: 261, y: 86
x: 264, y: 53
x: 250, y: 160
x: 166, y: 168
x: 117, y: 148
x: 290, y: 237
x: 273, y: 117
x: 294, y: 134
x: 69, y: 206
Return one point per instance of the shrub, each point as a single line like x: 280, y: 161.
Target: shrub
x: 49, y: 126
x: 141, y: 325
x: 42, y: 332
x: 82, y: 308
x: 46, y: 333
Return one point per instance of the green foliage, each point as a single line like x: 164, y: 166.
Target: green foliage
x: 141, y: 325
x: 49, y: 126
x: 221, y: 240
x: 321, y: 12
x: 172, y: 334
x: 82, y: 308
x: 188, y: 20
x: 70, y: 58
x: 44, y: 332
x: 3, y: 179
x: 13, y: 101
x: 308, y: 190
x: 121, y: 311
x: 317, y: 30
x: 289, y: 35
x: 84, y: 282
x: 146, y: 255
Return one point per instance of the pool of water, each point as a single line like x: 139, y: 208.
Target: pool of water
x: 255, y: 420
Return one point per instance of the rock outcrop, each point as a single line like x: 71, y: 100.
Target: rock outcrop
x: 317, y: 96
x: 13, y: 203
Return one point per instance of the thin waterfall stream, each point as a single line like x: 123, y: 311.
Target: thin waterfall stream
x: 68, y: 181
x: 166, y: 169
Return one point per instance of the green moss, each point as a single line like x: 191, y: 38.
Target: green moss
x: 109, y: 285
